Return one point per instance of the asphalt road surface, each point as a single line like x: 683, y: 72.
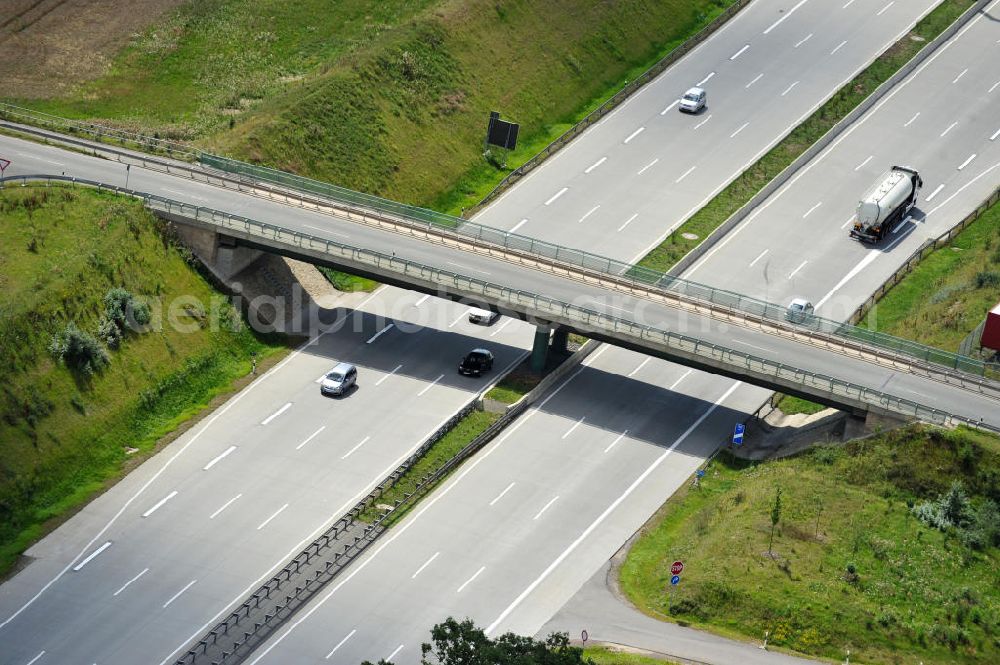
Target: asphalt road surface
x: 523, y: 526
x: 631, y: 486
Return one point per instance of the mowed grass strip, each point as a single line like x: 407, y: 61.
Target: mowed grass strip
x: 949, y: 292
x: 457, y: 438
x: 390, y: 98
x: 65, y: 436
x: 915, y: 594
x: 700, y: 225
x: 608, y: 656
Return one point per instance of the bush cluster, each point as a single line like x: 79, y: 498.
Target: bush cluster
x: 977, y: 526
x: 79, y: 350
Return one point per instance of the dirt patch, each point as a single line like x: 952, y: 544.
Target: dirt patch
x: 49, y: 46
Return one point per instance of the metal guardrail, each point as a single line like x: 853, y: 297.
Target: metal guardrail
x: 597, y: 114
x: 927, y: 248
x: 99, y: 133
x: 539, y: 306
x: 637, y: 275
x: 252, y: 176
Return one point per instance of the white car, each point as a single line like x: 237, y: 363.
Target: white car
x: 693, y: 100
x: 799, y: 310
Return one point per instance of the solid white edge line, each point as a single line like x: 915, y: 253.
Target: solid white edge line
x: 178, y: 594
x: 159, y: 504
x: 427, y: 505
x: 35, y: 659
x: 268, y: 520
x: 224, y: 506
x: 607, y: 511
x: 276, y: 413
x: 962, y: 188
x: 469, y: 581
x: 310, y: 438
x: 92, y: 556
x: 826, y: 151
x: 125, y: 586
x: 426, y: 563
x: 219, y: 458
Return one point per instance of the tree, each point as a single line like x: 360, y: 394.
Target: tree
x: 462, y: 643
x: 775, y: 517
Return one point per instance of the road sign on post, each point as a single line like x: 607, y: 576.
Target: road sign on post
x: 676, y: 567
x: 738, y: 434
x: 583, y: 637
x: 675, y: 580
x: 4, y: 163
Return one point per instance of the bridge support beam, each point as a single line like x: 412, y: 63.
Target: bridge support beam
x: 540, y: 350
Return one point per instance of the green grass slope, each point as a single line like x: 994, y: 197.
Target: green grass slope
x: 916, y: 593
x: 64, y: 434
x: 387, y: 97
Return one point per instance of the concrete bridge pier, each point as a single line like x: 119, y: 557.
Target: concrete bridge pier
x: 540, y: 350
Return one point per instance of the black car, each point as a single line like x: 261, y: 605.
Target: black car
x: 476, y: 363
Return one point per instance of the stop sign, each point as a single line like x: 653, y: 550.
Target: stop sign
x: 676, y: 567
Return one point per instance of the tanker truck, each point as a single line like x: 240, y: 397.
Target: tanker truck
x: 886, y: 204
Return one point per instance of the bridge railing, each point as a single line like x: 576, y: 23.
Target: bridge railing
x: 448, y: 224
x: 537, y: 305
x: 592, y: 262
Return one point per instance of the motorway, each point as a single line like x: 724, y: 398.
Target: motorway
x: 561, y: 496
x: 523, y: 526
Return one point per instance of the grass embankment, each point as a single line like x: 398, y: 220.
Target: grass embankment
x: 347, y: 283
x: 64, y: 434
x: 949, y: 292
x: 853, y: 567
x: 391, y: 97
x: 462, y: 434
x: 790, y: 404
x: 605, y: 656
x: 751, y: 181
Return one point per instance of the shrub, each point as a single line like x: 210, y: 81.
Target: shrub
x: 987, y: 279
x: 109, y: 333
x: 124, y: 312
x: 79, y: 350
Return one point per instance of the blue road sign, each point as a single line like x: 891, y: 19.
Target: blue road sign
x: 675, y: 580
x: 700, y: 473
x: 738, y: 434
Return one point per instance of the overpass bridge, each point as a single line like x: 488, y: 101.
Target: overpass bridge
x: 687, y: 323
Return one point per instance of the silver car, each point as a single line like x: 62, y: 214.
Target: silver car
x: 339, y: 380
x: 693, y: 100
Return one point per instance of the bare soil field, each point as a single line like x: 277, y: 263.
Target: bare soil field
x: 48, y: 46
